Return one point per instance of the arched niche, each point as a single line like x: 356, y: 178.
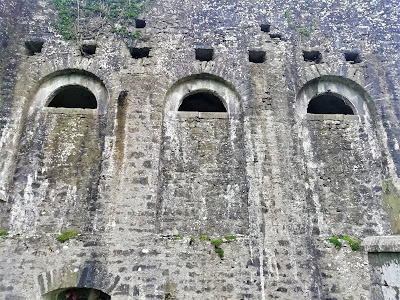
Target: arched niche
x: 341, y: 154
x: 331, y: 89
x: 202, y: 101
x: 73, y: 96
x: 85, y: 86
x: 76, y: 293
x: 203, y: 185
x: 202, y: 84
x: 61, y: 152
x: 329, y: 103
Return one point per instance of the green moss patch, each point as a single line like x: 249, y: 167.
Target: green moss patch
x: 205, y: 237
x: 217, y: 242
x: 67, y: 235
x: 78, y: 19
x: 220, y: 252
x: 337, y: 241
x: 354, y: 243
x: 338, y: 244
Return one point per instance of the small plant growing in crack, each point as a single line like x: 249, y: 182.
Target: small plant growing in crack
x: 67, y: 235
x: 293, y: 24
x: 205, y: 237
x: 335, y: 241
x: 354, y: 243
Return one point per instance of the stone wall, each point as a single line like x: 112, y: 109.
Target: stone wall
x: 143, y: 183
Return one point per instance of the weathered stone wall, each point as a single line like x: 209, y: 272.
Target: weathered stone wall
x: 132, y: 174
x: 203, y: 182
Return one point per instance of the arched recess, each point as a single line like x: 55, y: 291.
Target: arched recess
x: 203, y: 185
x: 202, y: 83
x: 60, y: 154
x: 329, y: 103
x: 70, y: 80
x: 342, y: 159
x: 202, y: 101
x: 74, y: 96
x: 89, y: 279
x: 335, y: 87
x: 76, y: 293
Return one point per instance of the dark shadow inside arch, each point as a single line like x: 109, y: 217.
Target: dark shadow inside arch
x: 202, y: 102
x: 74, y: 96
x: 78, y: 294
x: 329, y: 104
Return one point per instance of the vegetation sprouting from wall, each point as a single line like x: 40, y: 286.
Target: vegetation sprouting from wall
x: 87, y: 19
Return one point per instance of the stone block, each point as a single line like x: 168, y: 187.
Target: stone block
x: 213, y: 115
x: 382, y: 243
x: 187, y: 114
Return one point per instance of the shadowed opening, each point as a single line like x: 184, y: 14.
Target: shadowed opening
x: 203, y: 54
x: 352, y: 57
x: 77, y: 294
x: 265, y: 27
x: 33, y: 47
x: 257, y: 57
x: 203, y: 102
x: 137, y: 53
x: 74, y: 96
x: 312, y: 56
x: 275, y: 36
x: 329, y: 104
x: 140, y: 23
x: 88, y: 49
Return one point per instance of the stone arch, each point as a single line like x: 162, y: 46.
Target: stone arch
x: 343, y: 154
x: 203, y: 186
x: 52, y: 84
x: 202, y: 83
x: 330, y: 103
x: 202, y: 101
x: 78, y: 293
x: 73, y: 96
x: 61, y: 153
x: 90, y: 279
x: 349, y: 91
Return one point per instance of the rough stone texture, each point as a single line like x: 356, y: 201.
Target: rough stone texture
x: 385, y: 275
x: 137, y: 180
x: 390, y: 195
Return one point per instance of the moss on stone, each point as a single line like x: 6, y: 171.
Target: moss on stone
x: 220, y: 252
x: 217, y: 242
x: 119, y: 15
x: 354, y: 243
x: 204, y: 237
x: 67, y: 235
x: 335, y: 241
x: 3, y: 232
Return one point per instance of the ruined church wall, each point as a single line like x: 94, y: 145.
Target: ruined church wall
x: 281, y: 182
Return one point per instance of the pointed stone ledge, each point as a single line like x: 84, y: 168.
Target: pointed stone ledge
x: 382, y: 243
